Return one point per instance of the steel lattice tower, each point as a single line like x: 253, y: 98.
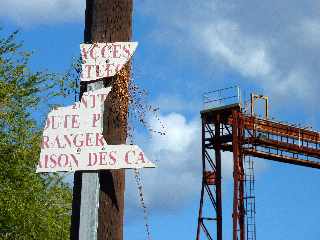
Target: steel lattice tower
x: 228, y: 127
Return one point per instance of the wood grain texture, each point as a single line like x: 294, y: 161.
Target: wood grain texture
x: 108, y: 21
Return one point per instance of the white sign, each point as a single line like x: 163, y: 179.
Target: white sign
x: 102, y: 60
x: 73, y: 140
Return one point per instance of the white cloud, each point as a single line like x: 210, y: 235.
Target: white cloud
x: 243, y: 53
x: 177, y: 178
x: 293, y: 84
x: 258, y: 61
x: 180, y: 135
x: 42, y: 11
x: 273, y: 44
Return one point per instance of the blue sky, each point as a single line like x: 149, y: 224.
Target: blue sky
x: 186, y: 48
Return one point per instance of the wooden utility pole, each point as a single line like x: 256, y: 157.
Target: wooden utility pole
x: 106, y: 21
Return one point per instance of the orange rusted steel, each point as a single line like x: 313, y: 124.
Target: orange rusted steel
x: 282, y: 138
x: 275, y: 157
x: 227, y: 128
x: 238, y: 175
x: 282, y: 158
x: 280, y: 129
x: 211, y: 180
x: 235, y: 150
x: 217, y: 149
x: 284, y: 146
x: 210, y: 177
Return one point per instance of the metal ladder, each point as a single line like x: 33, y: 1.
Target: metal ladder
x: 250, y: 204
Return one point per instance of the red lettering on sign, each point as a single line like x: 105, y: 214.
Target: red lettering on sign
x: 108, y: 70
x: 89, y: 67
x: 96, y: 118
x: 45, y: 142
x: 75, y: 121
x: 93, y: 101
x: 102, y: 97
x: 97, y: 71
x: 76, y: 142
x: 84, y: 101
x: 68, y: 140
x: 103, y: 51
x: 92, y: 52
x: 65, y: 125
x: 63, y: 160
x: 52, y: 122
x: 113, y: 157
x: 127, y: 156
x: 141, y: 157
x: 75, y: 160
x: 93, y: 159
x: 55, y: 122
x: 102, y: 156
x: 127, y: 51
x: 84, y: 55
x: 88, y: 140
x: 115, y: 50
x: 57, y: 140
x: 99, y: 139
x: 53, y: 161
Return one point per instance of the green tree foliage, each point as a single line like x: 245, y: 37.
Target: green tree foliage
x: 32, y: 206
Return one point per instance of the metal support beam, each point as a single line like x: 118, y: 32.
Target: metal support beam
x: 238, y: 179
x: 211, y: 181
x: 235, y: 145
x: 203, y: 136
x: 105, y: 21
x: 218, y: 177
x: 250, y: 136
x: 89, y: 206
x: 90, y: 190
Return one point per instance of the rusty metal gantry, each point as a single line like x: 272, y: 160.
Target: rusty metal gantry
x: 229, y: 128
